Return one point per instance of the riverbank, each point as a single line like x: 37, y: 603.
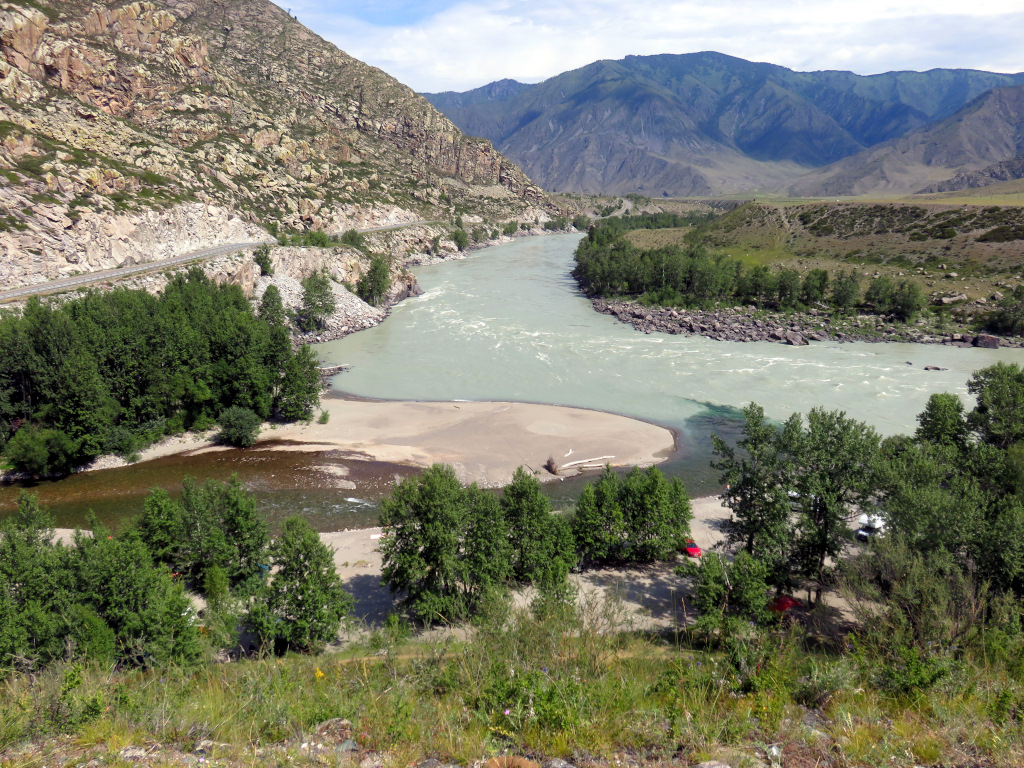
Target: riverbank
x: 484, y: 441
x: 649, y: 593
x: 797, y: 329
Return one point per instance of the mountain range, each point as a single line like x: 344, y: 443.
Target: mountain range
x: 707, y: 123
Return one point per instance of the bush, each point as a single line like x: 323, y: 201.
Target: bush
x: 262, y: 259
x: 239, y: 427
x: 41, y: 452
x: 376, y: 282
x: 1008, y: 317
x: 354, y: 238
x: 460, y: 238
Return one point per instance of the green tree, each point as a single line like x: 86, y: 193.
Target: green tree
x: 834, y: 463
x: 814, y: 286
x: 271, y: 310
x: 880, y: 295
x: 424, y: 520
x: 446, y: 548
x: 928, y: 498
x: 220, y: 526
x: 376, y: 282
x: 787, y: 288
x: 460, y: 238
x: 943, y: 421
x: 305, y: 602
x: 727, y: 595
x: 161, y: 526
x: 907, y: 300
x: 845, y: 290
x: 486, y: 548
x: 239, y: 427
x: 318, y: 302
x: 150, y: 616
x: 656, y: 513
x: 758, y: 474
x: 262, y: 258
x: 535, y: 546
x: 41, y: 452
x: 1008, y: 317
x: 37, y: 586
x: 996, y: 418
x: 300, y: 386
x: 598, y: 527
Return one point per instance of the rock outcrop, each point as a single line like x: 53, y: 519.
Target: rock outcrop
x: 130, y: 132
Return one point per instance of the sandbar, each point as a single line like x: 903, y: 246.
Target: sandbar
x: 484, y: 441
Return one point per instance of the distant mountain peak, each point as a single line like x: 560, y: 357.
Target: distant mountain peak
x: 704, y: 122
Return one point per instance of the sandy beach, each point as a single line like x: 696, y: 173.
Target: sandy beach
x: 483, y: 441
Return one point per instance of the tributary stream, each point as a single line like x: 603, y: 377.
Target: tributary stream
x: 508, y: 323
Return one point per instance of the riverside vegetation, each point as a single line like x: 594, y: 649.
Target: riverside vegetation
x: 925, y: 669
x: 690, y: 276
x: 113, y: 372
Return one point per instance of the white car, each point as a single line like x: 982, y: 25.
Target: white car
x: 871, y: 526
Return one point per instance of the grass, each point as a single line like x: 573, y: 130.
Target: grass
x: 559, y: 683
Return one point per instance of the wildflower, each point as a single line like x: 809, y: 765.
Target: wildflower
x: 507, y: 711
x: 319, y: 674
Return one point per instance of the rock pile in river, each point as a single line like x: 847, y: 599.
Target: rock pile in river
x: 797, y: 329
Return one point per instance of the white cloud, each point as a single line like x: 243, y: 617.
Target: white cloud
x: 471, y: 43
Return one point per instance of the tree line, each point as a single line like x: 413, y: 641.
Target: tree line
x: 948, y: 571
x: 113, y: 372
x: 609, y: 265
x: 123, y: 597
x: 448, y: 550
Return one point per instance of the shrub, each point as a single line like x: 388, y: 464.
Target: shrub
x: 376, y: 282
x: 239, y: 426
x: 354, y: 238
x: 460, y: 238
x: 41, y: 452
x: 262, y: 259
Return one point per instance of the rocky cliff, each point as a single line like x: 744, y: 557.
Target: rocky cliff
x: 133, y: 131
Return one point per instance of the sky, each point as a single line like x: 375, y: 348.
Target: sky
x: 440, y: 45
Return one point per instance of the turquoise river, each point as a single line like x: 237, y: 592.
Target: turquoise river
x: 508, y: 323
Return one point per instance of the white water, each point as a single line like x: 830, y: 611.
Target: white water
x: 508, y: 323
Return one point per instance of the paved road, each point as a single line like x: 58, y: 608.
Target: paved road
x: 150, y: 266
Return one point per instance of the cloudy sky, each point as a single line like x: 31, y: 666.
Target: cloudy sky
x: 436, y: 45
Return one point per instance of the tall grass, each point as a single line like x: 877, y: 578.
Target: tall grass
x: 556, y: 680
